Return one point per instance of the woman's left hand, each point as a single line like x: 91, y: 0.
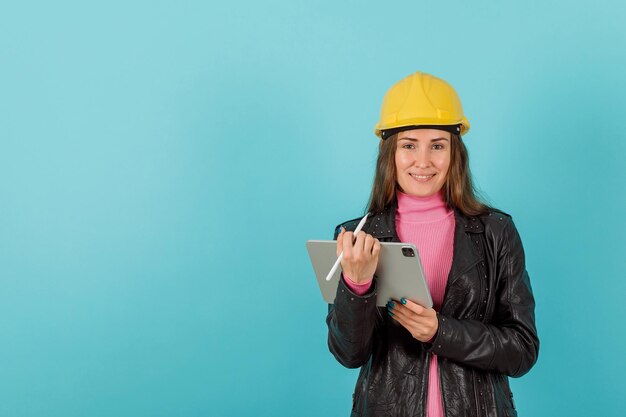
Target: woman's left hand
x: 420, y: 321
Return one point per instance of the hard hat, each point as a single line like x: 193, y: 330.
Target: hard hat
x: 421, y: 101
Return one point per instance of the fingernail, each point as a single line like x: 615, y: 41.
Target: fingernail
x: 390, y: 304
x: 390, y: 313
x: 403, y: 300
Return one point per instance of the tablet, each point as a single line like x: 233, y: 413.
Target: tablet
x: 399, y: 272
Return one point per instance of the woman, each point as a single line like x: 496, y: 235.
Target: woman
x: 453, y: 359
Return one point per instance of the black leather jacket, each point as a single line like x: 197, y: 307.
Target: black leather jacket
x: 486, y: 328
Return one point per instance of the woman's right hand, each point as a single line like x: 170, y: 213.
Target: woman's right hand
x: 360, y: 255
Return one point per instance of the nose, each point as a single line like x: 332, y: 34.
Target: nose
x: 422, y: 159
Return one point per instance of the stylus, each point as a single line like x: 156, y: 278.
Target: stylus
x: 340, y: 257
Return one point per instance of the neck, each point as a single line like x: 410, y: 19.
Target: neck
x: 421, y: 209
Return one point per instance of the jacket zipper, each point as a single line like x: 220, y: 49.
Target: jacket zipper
x: 482, y: 285
x: 476, y: 393
x: 443, y: 402
x: 428, y: 355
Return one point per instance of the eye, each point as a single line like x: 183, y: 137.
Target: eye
x: 438, y: 146
x: 408, y: 145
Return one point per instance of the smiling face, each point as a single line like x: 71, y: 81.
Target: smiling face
x: 422, y: 161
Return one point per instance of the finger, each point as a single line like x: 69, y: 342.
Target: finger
x: 368, y: 245
x: 359, y: 243
x: 421, y: 328
x: 401, y: 311
x: 411, y: 316
x: 347, y: 246
x: 401, y: 319
x: 419, y: 319
x: 414, y: 307
x: 376, y: 248
x: 340, y: 241
x: 393, y: 312
x: 425, y: 323
x: 418, y: 331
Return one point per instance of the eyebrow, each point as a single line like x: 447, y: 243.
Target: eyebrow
x: 432, y: 140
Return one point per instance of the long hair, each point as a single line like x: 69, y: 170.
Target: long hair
x: 458, y: 191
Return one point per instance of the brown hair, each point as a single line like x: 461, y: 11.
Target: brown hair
x: 458, y: 191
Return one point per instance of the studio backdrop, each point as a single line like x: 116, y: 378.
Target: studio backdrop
x: 163, y: 163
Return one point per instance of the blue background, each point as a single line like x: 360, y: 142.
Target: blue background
x: 163, y: 163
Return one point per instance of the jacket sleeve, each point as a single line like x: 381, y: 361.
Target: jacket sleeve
x: 509, y: 343
x: 351, y: 321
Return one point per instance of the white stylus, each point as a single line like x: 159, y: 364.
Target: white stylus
x: 338, y: 261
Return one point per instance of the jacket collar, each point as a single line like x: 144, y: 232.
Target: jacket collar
x: 467, y: 251
x: 383, y: 225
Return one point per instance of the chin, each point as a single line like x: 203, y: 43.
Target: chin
x: 420, y: 192
x: 417, y: 193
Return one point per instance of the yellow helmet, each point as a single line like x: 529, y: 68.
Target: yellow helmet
x: 421, y: 100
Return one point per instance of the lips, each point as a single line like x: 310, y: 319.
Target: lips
x: 422, y: 178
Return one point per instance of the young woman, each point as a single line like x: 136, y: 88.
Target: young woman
x: 453, y: 359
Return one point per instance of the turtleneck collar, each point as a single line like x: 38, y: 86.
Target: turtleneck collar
x: 421, y: 209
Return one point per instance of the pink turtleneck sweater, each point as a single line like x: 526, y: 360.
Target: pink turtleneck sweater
x: 427, y: 223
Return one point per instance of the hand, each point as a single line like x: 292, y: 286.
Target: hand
x: 420, y: 321
x: 360, y: 255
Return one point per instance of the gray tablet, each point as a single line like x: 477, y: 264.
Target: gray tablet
x: 399, y: 272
